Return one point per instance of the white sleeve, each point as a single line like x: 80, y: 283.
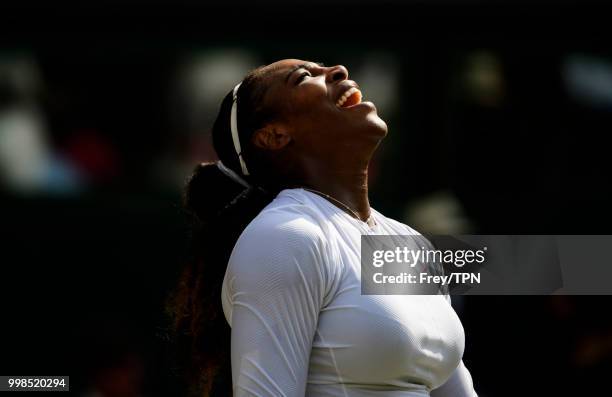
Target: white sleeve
x: 458, y: 385
x: 276, y: 287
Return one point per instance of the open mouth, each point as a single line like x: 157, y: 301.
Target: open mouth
x: 351, y: 97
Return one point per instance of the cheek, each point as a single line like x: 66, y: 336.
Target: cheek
x: 312, y: 131
x: 308, y: 112
x: 311, y: 94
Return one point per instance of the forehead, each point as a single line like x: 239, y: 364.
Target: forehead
x: 278, y: 71
x: 285, y: 64
x: 274, y: 75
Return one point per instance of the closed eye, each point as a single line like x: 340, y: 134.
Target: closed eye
x: 302, y: 76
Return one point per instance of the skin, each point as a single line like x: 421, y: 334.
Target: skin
x: 320, y: 145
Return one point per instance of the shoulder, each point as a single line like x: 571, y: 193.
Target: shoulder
x: 283, y: 223
x: 285, y: 237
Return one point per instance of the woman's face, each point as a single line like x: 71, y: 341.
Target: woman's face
x: 319, y: 109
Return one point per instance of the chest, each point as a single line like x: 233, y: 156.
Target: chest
x: 407, y: 338
x: 416, y: 339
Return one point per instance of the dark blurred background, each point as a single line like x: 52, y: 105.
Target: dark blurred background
x: 498, y: 116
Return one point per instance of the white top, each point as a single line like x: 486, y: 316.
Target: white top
x: 300, y: 326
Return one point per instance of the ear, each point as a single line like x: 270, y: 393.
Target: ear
x: 271, y: 137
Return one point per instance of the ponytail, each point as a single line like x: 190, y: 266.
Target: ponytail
x: 222, y: 200
x: 220, y: 208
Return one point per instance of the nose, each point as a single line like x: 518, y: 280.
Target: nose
x: 336, y: 73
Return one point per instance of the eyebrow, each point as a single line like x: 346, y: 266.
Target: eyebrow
x: 301, y: 66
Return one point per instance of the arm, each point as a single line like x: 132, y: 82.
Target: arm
x: 276, y: 288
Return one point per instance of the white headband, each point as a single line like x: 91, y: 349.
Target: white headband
x: 234, y: 128
x: 232, y: 174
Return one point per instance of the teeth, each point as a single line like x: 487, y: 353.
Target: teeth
x: 346, y: 95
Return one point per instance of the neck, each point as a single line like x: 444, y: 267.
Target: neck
x: 345, y: 183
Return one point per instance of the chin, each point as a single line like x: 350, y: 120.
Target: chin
x: 377, y: 125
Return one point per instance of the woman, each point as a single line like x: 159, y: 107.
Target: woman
x: 282, y: 214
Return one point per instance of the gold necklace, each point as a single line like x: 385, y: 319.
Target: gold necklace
x: 346, y: 207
